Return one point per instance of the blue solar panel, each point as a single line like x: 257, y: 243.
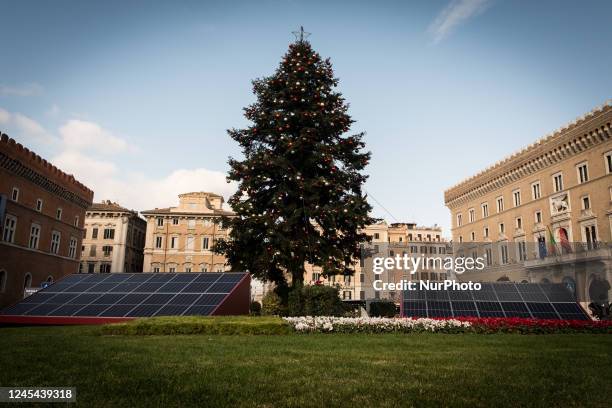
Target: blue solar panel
x: 133, y: 295
x: 496, y: 299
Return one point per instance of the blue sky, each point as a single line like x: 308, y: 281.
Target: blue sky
x: 135, y: 98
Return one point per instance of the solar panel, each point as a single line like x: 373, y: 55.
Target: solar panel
x: 495, y: 299
x: 130, y: 295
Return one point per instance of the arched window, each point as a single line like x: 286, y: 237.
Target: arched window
x: 27, y: 281
x: 3, y: 277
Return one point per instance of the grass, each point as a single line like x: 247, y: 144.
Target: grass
x: 311, y: 370
x: 235, y: 325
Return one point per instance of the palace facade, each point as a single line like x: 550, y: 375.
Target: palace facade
x: 42, y: 210
x: 387, y: 240
x: 544, y: 214
x: 113, y: 240
x: 180, y: 239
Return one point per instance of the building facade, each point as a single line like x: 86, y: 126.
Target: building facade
x: 180, y: 239
x: 42, y: 211
x: 387, y: 241
x: 113, y: 240
x: 544, y: 213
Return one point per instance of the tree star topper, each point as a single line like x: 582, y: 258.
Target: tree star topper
x: 301, y: 35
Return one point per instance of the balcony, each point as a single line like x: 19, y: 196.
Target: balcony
x: 573, y: 252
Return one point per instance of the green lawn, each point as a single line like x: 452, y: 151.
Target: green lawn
x: 311, y: 370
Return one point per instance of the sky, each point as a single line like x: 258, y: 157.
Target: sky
x: 134, y: 98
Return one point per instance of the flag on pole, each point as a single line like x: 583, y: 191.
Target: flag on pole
x: 565, y: 244
x: 553, y: 243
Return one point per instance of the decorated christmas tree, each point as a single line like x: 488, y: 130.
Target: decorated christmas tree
x: 299, y: 198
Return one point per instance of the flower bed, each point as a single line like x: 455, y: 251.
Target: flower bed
x: 328, y: 324
x: 536, y: 326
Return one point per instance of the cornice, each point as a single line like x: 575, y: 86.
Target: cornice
x: 583, y: 133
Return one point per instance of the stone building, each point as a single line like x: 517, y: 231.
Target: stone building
x: 545, y: 212
x: 113, y: 239
x: 41, y: 212
x: 180, y: 239
x: 387, y: 241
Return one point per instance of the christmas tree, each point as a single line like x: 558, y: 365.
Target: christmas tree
x: 300, y: 193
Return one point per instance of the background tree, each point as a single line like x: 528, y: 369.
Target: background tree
x: 300, y: 183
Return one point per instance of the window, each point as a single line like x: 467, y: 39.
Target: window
x: 519, y: 223
x: 346, y: 295
x: 58, y: 214
x: 91, y: 267
x: 3, y: 278
x: 586, y: 203
x: 55, y: 242
x: 347, y: 280
x: 76, y: 221
x: 204, y: 268
x: 107, y: 249
x: 591, y: 236
x: 516, y: 195
x: 488, y: 256
x: 160, y: 222
x: 459, y: 220
x: 485, y: 210
x: 188, y: 269
x: 205, y: 243
x: 503, y: 254
x: 500, y: 204
x: 15, y: 195
x: 158, y: 242
x: 535, y: 190
x: 72, y: 248
x: 190, y: 241
x: 521, y: 248
x: 34, y: 236
x: 608, y: 162
x: 472, y: 215
x: 485, y: 232
x: 27, y: 280
x: 191, y: 223
x: 175, y: 221
x: 105, y: 268
x: 501, y: 228
x: 173, y: 242
x: 460, y: 238
x: 94, y: 233
x: 538, y: 217
x: 10, y: 225
x: 156, y: 269
x: 473, y: 236
x: 109, y: 233
x: 362, y: 295
x: 376, y: 235
x: 583, y: 173
x: 558, y: 182
x: 39, y: 205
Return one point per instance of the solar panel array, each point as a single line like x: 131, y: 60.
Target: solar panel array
x: 130, y: 295
x: 499, y: 299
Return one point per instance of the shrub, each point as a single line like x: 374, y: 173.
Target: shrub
x: 255, y: 309
x: 382, y: 308
x: 315, y: 300
x: 271, y: 304
x: 206, y: 325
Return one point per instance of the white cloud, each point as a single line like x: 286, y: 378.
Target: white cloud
x: 24, y: 128
x: 136, y: 190
x: 22, y: 90
x: 83, y: 135
x: 94, y: 156
x: 5, y: 116
x: 455, y: 13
